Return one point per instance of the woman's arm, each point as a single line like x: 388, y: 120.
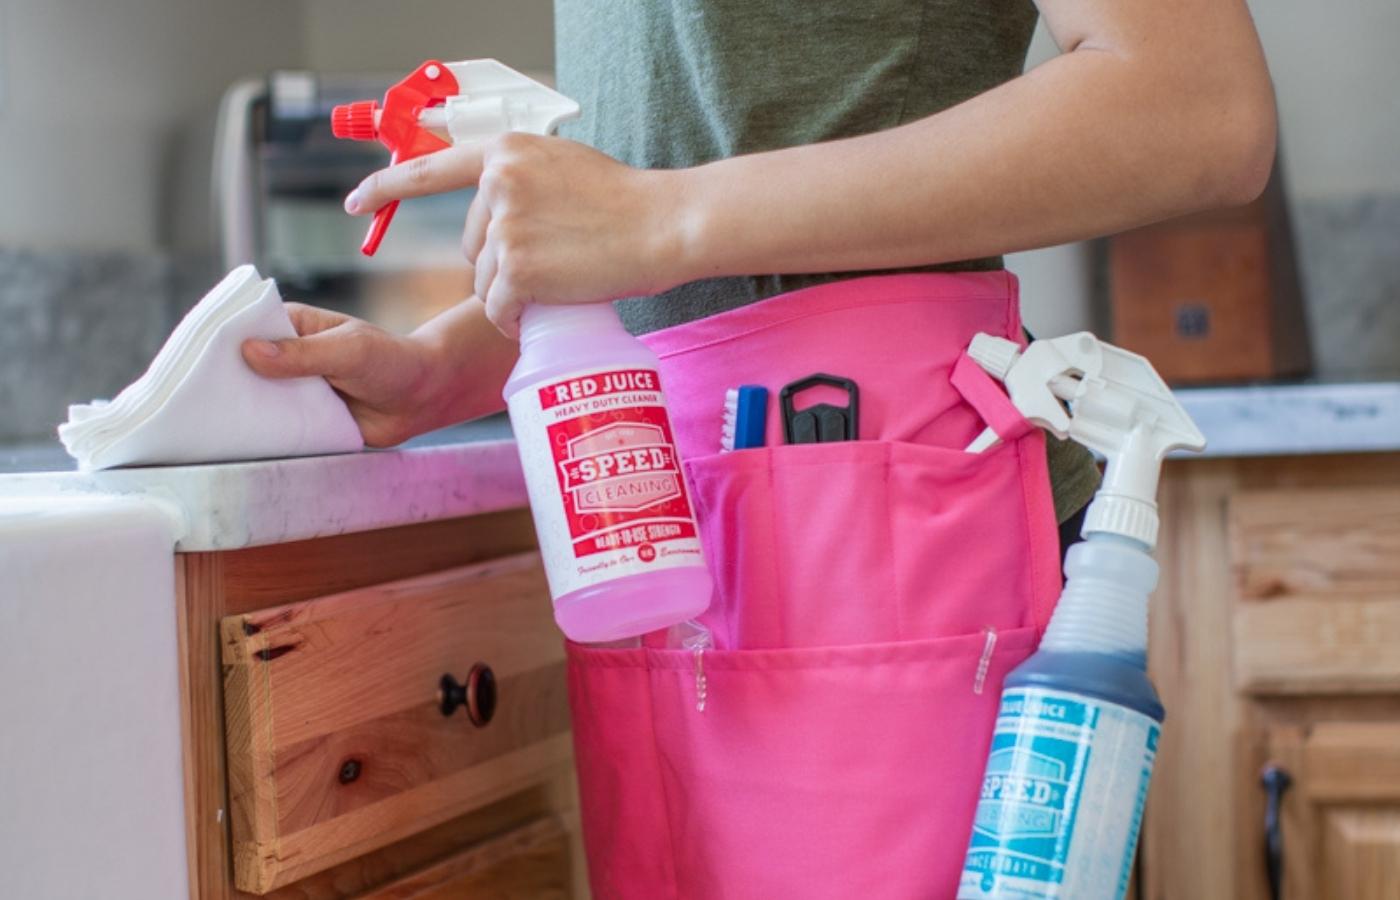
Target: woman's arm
x: 1156, y: 108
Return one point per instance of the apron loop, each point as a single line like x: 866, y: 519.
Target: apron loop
x: 984, y: 394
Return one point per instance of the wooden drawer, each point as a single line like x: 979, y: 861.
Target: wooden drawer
x: 336, y: 743
x: 1318, y: 582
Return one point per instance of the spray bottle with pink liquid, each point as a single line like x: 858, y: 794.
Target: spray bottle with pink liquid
x: 611, y: 506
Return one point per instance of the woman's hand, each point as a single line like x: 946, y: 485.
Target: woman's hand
x: 449, y: 370
x: 381, y: 376
x: 553, y: 221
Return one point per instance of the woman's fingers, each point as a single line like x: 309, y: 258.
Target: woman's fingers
x: 319, y: 348
x: 504, y: 305
x: 485, y: 270
x: 474, y: 232
x: 444, y: 170
x: 310, y: 319
x: 328, y: 353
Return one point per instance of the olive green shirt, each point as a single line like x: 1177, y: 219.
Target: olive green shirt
x: 678, y: 83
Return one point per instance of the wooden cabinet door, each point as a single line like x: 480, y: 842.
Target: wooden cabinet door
x: 1341, y: 811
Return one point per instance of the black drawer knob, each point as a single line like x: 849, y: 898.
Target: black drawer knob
x: 477, y: 694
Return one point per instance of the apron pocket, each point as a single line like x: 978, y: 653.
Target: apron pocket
x: 871, y: 542
x: 623, y: 815
x: 816, y: 772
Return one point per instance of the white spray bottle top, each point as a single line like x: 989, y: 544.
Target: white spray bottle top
x: 1118, y: 405
x: 441, y: 104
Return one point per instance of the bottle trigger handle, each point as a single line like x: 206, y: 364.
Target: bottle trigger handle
x: 395, y: 125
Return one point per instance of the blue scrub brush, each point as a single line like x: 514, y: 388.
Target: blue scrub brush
x: 745, y: 409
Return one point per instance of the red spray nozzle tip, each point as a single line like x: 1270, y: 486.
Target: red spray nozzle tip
x: 355, y: 120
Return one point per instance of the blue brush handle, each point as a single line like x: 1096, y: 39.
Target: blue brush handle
x: 750, y: 416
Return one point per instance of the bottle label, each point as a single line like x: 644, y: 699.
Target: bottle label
x: 1061, y: 799
x: 605, y: 482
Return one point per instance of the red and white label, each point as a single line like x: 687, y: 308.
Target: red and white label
x: 605, y: 481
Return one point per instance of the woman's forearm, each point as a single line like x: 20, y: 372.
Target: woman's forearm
x: 1127, y: 128
x: 1156, y: 108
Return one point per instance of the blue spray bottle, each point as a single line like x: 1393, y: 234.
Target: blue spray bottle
x: 1077, y: 730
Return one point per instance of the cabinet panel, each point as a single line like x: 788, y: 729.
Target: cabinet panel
x: 1353, y: 761
x: 1341, y: 814
x: 336, y: 744
x: 1361, y: 854
x: 1318, y: 578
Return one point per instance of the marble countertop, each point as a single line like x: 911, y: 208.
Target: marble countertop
x: 1296, y: 419
x: 462, y: 471
x: 472, y: 468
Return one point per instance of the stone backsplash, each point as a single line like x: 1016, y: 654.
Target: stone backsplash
x: 76, y: 326
x: 1349, y: 261
x: 82, y: 325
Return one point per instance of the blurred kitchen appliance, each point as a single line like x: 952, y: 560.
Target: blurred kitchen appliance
x: 279, y: 179
x: 1213, y: 297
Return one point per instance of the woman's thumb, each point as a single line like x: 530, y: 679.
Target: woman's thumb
x: 287, y: 358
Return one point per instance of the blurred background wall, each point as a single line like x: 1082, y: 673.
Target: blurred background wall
x: 1335, y: 71
x: 104, y: 166
x: 99, y: 99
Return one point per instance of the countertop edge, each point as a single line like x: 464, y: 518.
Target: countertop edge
x: 1295, y: 420
x: 236, y: 505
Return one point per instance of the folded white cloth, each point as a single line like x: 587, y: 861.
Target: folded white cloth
x: 199, y: 401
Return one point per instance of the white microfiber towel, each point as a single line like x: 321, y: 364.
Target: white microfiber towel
x: 199, y: 401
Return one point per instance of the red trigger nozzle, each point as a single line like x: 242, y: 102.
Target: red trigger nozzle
x: 355, y: 121
x: 395, y: 125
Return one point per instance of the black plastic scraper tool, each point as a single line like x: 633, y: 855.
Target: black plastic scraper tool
x: 821, y: 423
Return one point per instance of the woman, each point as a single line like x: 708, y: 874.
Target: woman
x: 750, y: 175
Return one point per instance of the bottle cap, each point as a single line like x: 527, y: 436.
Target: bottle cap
x: 1128, y: 517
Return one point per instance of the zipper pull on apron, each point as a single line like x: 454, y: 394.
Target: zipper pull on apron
x: 693, y: 636
x: 701, y: 687
x: 980, y: 679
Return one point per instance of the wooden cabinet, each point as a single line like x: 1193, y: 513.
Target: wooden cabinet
x: 319, y: 762
x: 1276, y: 643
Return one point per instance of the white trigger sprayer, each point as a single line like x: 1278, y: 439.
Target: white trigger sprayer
x: 441, y: 104
x: 1076, y: 733
x: 1119, y: 406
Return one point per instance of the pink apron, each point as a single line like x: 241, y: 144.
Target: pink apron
x: 871, y: 596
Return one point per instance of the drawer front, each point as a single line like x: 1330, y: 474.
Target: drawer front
x: 337, y: 744
x: 1318, y: 582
